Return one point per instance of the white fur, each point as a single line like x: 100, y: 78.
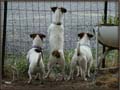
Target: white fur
x: 56, y: 37
x: 33, y: 57
x: 84, y: 61
x: 56, y: 40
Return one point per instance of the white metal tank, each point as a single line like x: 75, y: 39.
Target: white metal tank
x: 108, y: 35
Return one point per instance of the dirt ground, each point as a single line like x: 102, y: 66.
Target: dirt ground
x: 102, y: 82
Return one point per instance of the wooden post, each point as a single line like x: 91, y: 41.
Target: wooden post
x: 4, y: 36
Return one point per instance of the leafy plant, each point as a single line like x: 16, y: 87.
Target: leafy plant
x: 111, y: 20
x: 18, y: 63
x: 68, y: 57
x: 116, y: 21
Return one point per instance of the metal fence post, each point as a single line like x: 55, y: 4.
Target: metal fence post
x: 105, y: 22
x: 119, y: 45
x: 105, y: 12
x: 0, y: 46
x: 4, y: 36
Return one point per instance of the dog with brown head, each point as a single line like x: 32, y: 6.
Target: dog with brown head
x: 56, y: 39
x: 82, y: 58
x: 35, y: 57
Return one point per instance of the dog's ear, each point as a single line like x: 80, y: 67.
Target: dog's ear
x: 81, y: 35
x: 63, y: 10
x: 42, y: 36
x: 90, y: 35
x: 33, y: 36
x: 54, y: 8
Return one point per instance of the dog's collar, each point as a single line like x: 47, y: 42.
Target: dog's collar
x: 57, y: 23
x: 85, y: 45
x: 37, y: 47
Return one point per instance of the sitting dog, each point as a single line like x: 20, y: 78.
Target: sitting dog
x: 56, y: 39
x: 82, y: 58
x: 35, y: 57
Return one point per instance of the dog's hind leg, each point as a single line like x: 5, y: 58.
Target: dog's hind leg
x: 71, y: 73
x: 78, y: 71
x: 63, y: 70
x: 83, y: 69
x: 37, y: 76
x: 48, y: 73
x: 72, y: 66
x: 61, y: 62
x: 43, y: 71
x: 83, y: 74
x: 89, y: 64
x: 30, y: 77
x: 50, y: 65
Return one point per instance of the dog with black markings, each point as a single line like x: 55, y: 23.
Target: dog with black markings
x: 35, y: 57
x: 56, y: 39
x: 82, y: 58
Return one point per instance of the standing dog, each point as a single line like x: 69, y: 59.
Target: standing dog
x: 35, y: 57
x: 56, y: 39
x: 82, y: 58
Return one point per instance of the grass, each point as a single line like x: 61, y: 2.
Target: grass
x: 21, y: 64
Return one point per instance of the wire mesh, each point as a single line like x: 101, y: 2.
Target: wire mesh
x: 24, y: 18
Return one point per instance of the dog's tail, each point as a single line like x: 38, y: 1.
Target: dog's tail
x: 78, y: 49
x: 39, y: 58
x: 56, y: 53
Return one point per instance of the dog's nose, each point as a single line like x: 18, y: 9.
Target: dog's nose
x: 58, y: 8
x: 37, y: 35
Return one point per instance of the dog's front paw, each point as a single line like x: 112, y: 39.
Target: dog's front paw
x: 45, y: 77
x: 78, y: 75
x: 84, y: 79
x: 70, y: 78
x: 88, y: 75
x: 29, y: 82
x: 63, y: 79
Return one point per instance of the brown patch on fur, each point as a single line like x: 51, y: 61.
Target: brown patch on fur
x: 56, y: 53
x: 81, y: 35
x: 89, y: 35
x: 35, y: 34
x: 54, y: 8
x: 63, y: 10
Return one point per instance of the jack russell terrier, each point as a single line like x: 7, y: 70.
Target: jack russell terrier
x: 56, y: 39
x: 35, y: 57
x: 82, y: 58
